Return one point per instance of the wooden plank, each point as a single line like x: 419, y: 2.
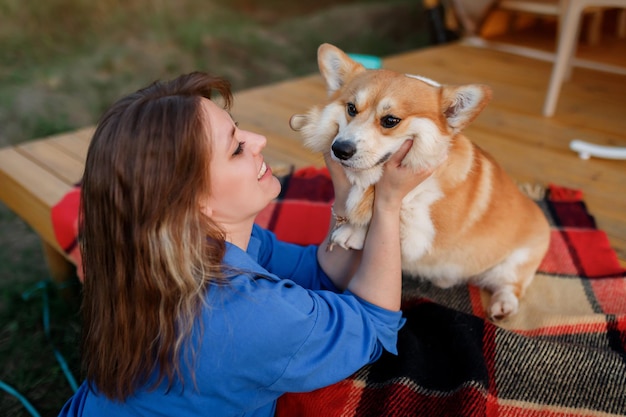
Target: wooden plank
x: 539, y: 132
x: 30, y: 191
x: 282, y: 152
x: 307, y: 88
x: 257, y: 110
x: 55, y: 159
x: 611, y: 51
x: 520, y: 83
x: 272, y: 118
x: 75, y: 143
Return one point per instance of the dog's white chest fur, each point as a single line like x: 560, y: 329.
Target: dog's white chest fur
x: 417, y: 231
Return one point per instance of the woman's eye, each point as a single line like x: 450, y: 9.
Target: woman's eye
x: 239, y: 149
x: 351, y: 109
x: 389, y: 121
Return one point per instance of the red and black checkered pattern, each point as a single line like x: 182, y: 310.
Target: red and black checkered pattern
x: 563, y: 354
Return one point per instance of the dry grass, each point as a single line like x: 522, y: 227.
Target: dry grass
x: 64, y: 61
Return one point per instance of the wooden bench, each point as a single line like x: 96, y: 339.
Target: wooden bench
x: 35, y: 175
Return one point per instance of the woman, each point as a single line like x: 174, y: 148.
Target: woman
x: 189, y: 308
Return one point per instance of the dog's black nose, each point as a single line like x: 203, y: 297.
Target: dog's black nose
x: 343, y: 149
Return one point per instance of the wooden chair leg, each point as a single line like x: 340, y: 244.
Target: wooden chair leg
x: 565, y: 50
x: 511, y: 22
x: 594, y: 31
x: 621, y: 24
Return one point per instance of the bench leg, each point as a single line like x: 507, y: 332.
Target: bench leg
x: 61, y: 270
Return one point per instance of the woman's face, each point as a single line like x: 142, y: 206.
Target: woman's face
x: 241, y: 183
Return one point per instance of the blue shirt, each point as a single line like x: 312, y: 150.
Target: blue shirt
x: 262, y: 337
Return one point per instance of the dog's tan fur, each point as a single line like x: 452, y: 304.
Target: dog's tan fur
x: 468, y: 222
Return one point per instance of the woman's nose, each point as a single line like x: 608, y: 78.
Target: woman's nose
x: 257, y: 141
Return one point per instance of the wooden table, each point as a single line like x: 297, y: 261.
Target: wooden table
x: 534, y: 149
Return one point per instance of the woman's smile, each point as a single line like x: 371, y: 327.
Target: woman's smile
x: 264, y: 169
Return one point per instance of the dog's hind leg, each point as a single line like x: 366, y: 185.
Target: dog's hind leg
x: 503, y: 303
x: 508, y: 281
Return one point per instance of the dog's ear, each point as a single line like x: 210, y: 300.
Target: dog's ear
x: 461, y: 105
x: 298, y: 121
x: 317, y: 134
x: 336, y: 66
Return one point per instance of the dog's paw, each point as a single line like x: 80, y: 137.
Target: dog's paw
x: 349, y: 236
x: 503, y: 304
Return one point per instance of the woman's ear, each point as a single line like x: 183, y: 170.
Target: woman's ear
x: 205, y: 208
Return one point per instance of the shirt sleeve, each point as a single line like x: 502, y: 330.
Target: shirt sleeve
x: 348, y: 333
x: 290, y: 339
x: 295, y: 262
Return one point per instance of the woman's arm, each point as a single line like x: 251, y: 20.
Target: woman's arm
x: 339, y: 264
x: 378, y: 278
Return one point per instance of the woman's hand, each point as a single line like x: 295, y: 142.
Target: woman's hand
x: 379, y: 276
x: 341, y: 184
x: 398, y: 180
x: 373, y: 274
x: 339, y: 264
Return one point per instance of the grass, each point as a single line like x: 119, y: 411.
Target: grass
x: 62, y: 62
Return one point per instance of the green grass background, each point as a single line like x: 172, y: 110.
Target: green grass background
x: 63, y: 62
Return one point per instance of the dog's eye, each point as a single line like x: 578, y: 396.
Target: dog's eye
x: 351, y: 109
x: 389, y: 121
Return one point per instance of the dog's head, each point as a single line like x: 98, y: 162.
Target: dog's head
x: 372, y: 112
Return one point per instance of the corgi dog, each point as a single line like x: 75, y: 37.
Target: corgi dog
x: 468, y: 222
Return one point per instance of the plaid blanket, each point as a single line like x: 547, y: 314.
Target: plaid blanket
x: 563, y: 354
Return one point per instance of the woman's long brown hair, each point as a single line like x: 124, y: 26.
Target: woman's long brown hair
x: 148, y: 251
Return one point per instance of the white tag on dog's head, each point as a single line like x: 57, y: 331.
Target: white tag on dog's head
x: 424, y: 79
